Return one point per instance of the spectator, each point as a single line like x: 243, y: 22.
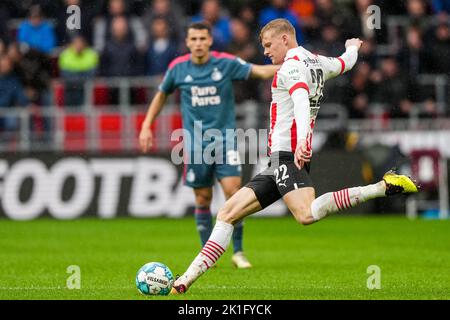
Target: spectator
x: 280, y: 9
x: 417, y: 12
x: 429, y: 109
x: 64, y: 35
x: 329, y: 43
x: 36, y: 33
x: 364, y: 16
x: 413, y: 56
x: 103, y: 26
x: 191, y: 7
x: 244, y: 46
x: 439, y: 49
x: 391, y: 8
x: 120, y: 57
x: 36, y: 68
x: 326, y: 13
x: 11, y: 93
x: 248, y: 15
x: 16, y: 57
x: 359, y: 27
x: 162, y: 49
x: 304, y: 9
x: 221, y: 31
x: 4, y: 17
x: 367, y: 53
x: 77, y: 63
x: 78, y: 59
x: 172, y: 13
x: 441, y: 7
x: 403, y: 110
x: 2, y: 47
x: 391, y: 88
x: 357, y: 95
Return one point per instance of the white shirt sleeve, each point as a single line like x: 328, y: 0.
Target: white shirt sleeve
x: 293, y: 77
x: 302, y: 113
x: 337, y: 66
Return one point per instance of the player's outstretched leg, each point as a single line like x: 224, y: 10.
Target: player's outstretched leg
x: 230, y: 186
x: 331, y: 202
x: 240, y: 205
x: 391, y: 184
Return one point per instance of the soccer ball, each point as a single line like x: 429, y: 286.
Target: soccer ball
x: 154, y: 278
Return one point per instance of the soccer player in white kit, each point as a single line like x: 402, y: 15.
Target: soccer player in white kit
x: 296, y: 96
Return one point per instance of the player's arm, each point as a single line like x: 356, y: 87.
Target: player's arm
x: 293, y: 76
x: 344, y: 63
x: 145, y: 136
x: 263, y: 71
x: 302, y: 116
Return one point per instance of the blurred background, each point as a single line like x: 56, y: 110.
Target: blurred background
x: 72, y: 101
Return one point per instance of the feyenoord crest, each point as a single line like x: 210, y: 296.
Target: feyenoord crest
x: 216, y: 75
x: 190, y: 176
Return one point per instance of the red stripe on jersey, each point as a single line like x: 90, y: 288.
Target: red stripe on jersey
x: 222, y: 55
x: 216, y: 245
x: 294, y: 57
x: 336, y: 200
x: 298, y: 86
x: 342, y: 65
x: 178, y: 60
x: 293, y: 136
x: 275, y: 79
x: 273, y: 119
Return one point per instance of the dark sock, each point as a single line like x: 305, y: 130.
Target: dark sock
x: 237, y: 236
x: 203, y: 219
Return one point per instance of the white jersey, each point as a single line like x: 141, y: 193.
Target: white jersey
x: 301, y: 69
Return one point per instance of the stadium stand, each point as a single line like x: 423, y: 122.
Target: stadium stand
x: 402, y: 76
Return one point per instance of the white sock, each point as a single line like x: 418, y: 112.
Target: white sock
x: 346, y: 198
x: 216, y: 245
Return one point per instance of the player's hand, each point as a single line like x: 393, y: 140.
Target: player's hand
x: 145, y: 139
x: 302, y: 154
x: 353, y: 42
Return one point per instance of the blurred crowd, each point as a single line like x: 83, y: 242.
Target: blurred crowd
x: 121, y: 38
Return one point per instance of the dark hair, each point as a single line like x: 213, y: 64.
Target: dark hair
x: 200, y: 26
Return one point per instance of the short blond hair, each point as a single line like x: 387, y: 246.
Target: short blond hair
x: 279, y: 26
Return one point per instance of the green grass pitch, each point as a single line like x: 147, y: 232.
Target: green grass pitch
x: 328, y: 260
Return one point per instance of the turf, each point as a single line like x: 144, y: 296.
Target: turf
x: 328, y: 260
